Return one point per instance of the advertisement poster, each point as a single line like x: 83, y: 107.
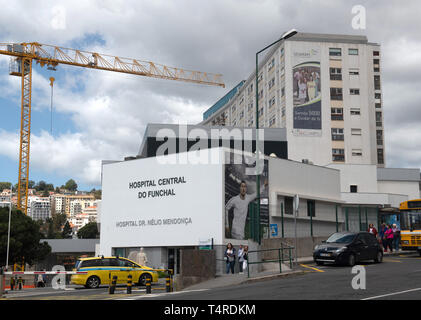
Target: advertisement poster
x: 240, y: 191
x: 307, y: 102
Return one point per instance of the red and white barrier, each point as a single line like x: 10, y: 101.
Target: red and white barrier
x: 44, y: 272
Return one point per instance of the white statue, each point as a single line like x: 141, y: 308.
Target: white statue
x: 141, y: 258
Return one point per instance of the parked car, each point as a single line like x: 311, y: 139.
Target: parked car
x: 102, y: 269
x: 348, y: 248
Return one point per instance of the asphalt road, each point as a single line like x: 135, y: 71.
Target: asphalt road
x: 396, y: 278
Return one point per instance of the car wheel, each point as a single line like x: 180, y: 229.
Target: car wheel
x: 379, y: 257
x: 351, y: 260
x: 143, y: 277
x: 93, y: 282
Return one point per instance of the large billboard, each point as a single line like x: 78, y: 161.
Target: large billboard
x: 307, y: 96
x: 146, y: 203
x: 240, y: 191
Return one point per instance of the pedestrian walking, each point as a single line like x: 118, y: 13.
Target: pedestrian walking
x: 246, y: 257
x: 372, y: 229
x: 389, y: 238
x: 229, y: 257
x: 12, y: 283
x: 396, y: 236
x: 240, y: 258
x: 40, y: 281
x: 382, y: 237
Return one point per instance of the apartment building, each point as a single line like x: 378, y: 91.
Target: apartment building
x: 71, y: 200
x: 39, y: 208
x: 324, y: 89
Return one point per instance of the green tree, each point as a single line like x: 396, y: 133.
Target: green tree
x: 71, y: 185
x: 25, y: 238
x: 41, y: 186
x: 97, y: 193
x: 89, y: 231
x: 5, y: 185
x: 52, y: 228
x: 67, y: 231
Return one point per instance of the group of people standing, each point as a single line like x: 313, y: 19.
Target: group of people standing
x: 231, y: 255
x: 306, y: 85
x: 388, y: 236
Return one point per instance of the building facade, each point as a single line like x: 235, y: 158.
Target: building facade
x: 324, y: 89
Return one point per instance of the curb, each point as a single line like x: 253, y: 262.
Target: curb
x: 274, y: 276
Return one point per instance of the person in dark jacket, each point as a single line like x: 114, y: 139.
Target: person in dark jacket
x: 229, y: 257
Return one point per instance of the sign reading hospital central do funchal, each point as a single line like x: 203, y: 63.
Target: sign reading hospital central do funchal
x: 147, y: 203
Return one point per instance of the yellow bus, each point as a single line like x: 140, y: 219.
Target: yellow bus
x: 410, y: 220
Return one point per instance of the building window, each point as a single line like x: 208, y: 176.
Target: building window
x: 271, y: 83
x: 260, y: 77
x: 378, y: 119
x: 289, y: 206
x: 337, y: 134
x: 336, y: 113
x: 261, y: 112
x: 282, y: 92
x: 272, y: 121
x: 376, y: 53
x: 357, y: 152
x: 311, y: 208
x: 272, y: 102
x: 378, y: 105
x: 355, y: 111
x: 353, y: 188
x: 335, y: 73
x: 338, y: 155
x: 380, y: 156
x: 233, y: 109
x: 260, y: 94
x: 242, y: 100
x: 379, y: 137
x: 354, y: 72
x: 377, y: 96
x: 354, y: 91
x: 376, y: 82
x: 335, y: 52
x: 250, y: 89
x: 250, y: 106
x: 271, y: 64
x: 353, y: 52
x: 355, y: 131
x: 335, y: 93
x: 241, y: 114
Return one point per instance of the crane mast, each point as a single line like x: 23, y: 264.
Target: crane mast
x: 22, y: 55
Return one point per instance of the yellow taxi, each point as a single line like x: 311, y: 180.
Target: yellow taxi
x: 101, y: 270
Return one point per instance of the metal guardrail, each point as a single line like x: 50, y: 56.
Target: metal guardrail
x: 280, y: 259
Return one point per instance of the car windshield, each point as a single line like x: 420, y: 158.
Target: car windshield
x: 341, y: 238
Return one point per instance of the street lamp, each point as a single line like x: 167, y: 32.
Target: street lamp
x: 285, y: 36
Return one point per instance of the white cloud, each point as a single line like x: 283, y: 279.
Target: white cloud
x: 110, y: 111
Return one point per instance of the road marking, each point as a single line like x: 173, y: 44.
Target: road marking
x: 392, y: 294
x: 388, y: 260
x: 306, y: 266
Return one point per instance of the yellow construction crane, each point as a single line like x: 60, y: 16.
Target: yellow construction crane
x: 21, y: 65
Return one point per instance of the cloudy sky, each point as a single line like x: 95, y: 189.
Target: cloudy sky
x: 100, y: 115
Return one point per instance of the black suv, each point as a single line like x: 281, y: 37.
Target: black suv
x: 348, y: 248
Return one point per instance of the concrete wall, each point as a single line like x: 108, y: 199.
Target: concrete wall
x: 292, y: 177
x: 410, y: 188
x: 364, y: 176
x: 305, y: 246
x: 196, y: 266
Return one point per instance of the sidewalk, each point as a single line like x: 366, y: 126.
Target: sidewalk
x: 237, y: 279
